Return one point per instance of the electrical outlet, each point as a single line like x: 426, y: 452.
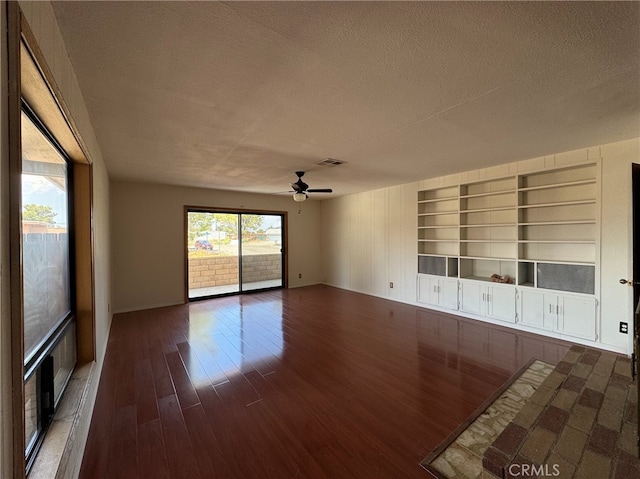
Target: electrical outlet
x: 624, y: 327
x: 299, y: 275
x: 391, y: 285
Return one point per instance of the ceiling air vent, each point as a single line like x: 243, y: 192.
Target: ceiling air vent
x: 331, y: 162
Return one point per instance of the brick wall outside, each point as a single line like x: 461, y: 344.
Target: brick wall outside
x: 223, y: 270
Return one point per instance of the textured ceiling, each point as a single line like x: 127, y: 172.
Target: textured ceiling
x: 240, y: 95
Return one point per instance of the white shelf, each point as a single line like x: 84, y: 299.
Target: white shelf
x: 437, y: 227
x: 437, y: 200
x: 558, y: 185
x: 482, y: 210
x: 437, y: 213
x: 552, y: 214
x: 523, y: 241
x: 491, y: 258
x: 453, y: 240
x: 559, y: 203
x: 489, y: 225
x: 489, y: 193
x: 559, y: 223
x: 580, y: 263
x: 478, y: 278
x: 487, y: 241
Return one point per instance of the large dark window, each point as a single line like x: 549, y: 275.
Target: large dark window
x: 47, y: 278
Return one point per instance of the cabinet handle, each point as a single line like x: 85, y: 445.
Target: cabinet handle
x: 550, y: 306
x: 557, y: 308
x: 483, y: 297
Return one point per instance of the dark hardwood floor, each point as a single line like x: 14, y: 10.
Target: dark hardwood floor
x: 312, y: 382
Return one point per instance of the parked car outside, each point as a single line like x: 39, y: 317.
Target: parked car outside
x: 204, y: 244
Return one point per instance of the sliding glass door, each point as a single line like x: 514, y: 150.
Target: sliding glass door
x: 231, y: 252
x: 261, y: 251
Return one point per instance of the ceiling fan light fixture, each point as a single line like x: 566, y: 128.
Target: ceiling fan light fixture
x: 299, y: 197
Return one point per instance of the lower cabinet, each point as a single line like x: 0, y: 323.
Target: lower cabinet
x: 438, y: 291
x: 576, y: 316
x: 562, y: 313
x: 532, y: 311
x: 487, y: 299
x: 571, y: 314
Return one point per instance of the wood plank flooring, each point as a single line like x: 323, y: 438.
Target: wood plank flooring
x: 312, y: 382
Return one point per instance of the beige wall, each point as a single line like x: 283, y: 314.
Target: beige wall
x: 148, y: 239
x: 369, y: 239
x: 617, y: 240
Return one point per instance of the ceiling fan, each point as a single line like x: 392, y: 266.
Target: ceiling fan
x: 300, y: 188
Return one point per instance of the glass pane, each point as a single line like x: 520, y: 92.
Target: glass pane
x: 46, y: 273
x: 261, y: 251
x: 212, y: 253
x: 30, y: 411
x: 64, y: 360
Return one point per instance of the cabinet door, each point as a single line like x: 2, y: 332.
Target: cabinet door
x: 424, y: 285
x: 577, y: 316
x: 532, y: 310
x: 501, y: 303
x: 472, y: 297
x: 429, y: 290
x: 551, y: 311
x: 449, y: 293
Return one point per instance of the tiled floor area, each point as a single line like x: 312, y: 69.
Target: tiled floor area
x: 462, y: 459
x: 581, y: 423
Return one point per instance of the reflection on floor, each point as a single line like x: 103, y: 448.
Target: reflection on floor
x: 462, y: 458
x: 312, y: 382
x: 233, y: 288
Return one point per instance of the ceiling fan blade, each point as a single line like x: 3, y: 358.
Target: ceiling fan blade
x: 320, y: 190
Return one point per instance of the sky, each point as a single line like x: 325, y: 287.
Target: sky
x: 40, y: 191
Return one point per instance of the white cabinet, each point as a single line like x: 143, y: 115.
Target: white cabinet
x: 565, y: 314
x: 501, y: 303
x: 532, y: 311
x: 438, y: 291
x: 497, y: 302
x: 577, y: 316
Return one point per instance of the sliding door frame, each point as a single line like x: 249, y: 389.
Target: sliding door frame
x: 236, y: 211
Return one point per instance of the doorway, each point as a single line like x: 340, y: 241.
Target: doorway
x: 232, y: 252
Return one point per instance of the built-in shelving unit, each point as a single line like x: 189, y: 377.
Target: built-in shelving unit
x: 438, y: 231
x: 557, y: 229
x: 541, y: 229
x: 488, y: 228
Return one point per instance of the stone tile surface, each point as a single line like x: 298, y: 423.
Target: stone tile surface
x: 582, y: 422
x: 463, y: 458
x: 571, y: 444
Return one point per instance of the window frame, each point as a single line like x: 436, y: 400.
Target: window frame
x: 29, y: 77
x: 40, y: 360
